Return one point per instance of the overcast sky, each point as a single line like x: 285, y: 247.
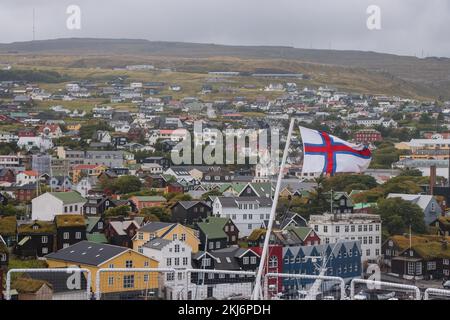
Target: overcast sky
x: 409, y: 27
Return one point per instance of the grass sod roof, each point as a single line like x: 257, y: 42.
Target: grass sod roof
x: 256, y: 234
x: 8, y: 226
x: 96, y: 237
x: 151, y: 198
x: 69, y: 220
x: 214, y: 228
x: 27, y: 285
x: 3, y: 248
x: 301, y: 232
x: 69, y: 197
x: 428, y: 246
x: 43, y: 227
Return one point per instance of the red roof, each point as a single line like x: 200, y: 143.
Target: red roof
x: 30, y: 173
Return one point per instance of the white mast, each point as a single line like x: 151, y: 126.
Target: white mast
x: 257, y: 290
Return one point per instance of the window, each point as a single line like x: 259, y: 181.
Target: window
x: 206, y: 262
x: 78, y: 235
x: 411, y: 266
x: 377, y: 227
x: 431, y: 265
x: 419, y: 268
x: 100, y: 225
x: 185, y: 261
x: 128, y: 281
x: 367, y: 252
x: 217, y: 244
x: 174, y: 237
x: 211, y: 245
x: 377, y: 239
x: 66, y: 235
x: 111, y: 266
x: 177, y: 261
x: 129, y: 264
x: 44, y: 239
x: 273, y: 262
x: 446, y: 262
x: 352, y: 228
x: 183, y: 237
x: 249, y: 226
x: 253, y: 260
x: 169, y: 262
x: 146, y: 264
x: 110, y: 281
x: 145, y: 277
x: 325, y: 229
x: 65, y: 245
x: 370, y: 228
x: 337, y: 229
x: 177, y: 248
x: 140, y: 236
x: 359, y: 228
x: 44, y: 250
x: 245, y: 260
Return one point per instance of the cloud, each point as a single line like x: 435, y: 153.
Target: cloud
x: 408, y: 26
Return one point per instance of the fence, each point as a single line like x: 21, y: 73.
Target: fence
x: 48, y: 284
x: 132, y: 283
x: 378, y: 290
x: 436, y: 294
x: 197, y: 284
x: 217, y: 285
x: 303, y: 287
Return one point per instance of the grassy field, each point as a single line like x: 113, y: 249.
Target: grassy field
x: 192, y: 74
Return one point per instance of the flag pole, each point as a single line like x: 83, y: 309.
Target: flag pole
x: 257, y: 290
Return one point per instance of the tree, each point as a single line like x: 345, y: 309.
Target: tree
x: 398, y: 214
x: 161, y: 213
x: 411, y: 173
x: 127, y: 184
x: 121, y: 211
x: 212, y: 193
x: 349, y: 182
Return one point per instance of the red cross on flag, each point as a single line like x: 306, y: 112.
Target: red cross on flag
x: 328, y: 154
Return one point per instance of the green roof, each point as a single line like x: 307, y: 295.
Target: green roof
x: 237, y: 187
x: 364, y: 205
x: 68, y: 197
x: 91, y: 222
x: 150, y: 198
x: 8, y: 226
x: 96, y: 237
x: 214, y: 227
x: 263, y: 189
x: 301, y: 232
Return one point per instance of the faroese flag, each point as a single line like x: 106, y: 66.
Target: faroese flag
x: 328, y: 154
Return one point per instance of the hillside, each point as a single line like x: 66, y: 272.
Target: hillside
x: 426, y: 77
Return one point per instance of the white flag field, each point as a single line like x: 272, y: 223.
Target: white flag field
x: 324, y: 153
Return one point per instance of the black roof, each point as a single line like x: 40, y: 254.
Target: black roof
x: 86, y: 252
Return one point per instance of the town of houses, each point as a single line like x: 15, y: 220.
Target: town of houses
x: 103, y: 180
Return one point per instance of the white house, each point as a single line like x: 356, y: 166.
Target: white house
x: 48, y: 205
x: 247, y: 213
x: 350, y: 226
x: 35, y: 142
x: 26, y: 177
x: 170, y: 254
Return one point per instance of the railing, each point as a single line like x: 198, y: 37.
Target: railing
x: 198, y: 284
x: 378, y: 284
x: 436, y: 292
x: 61, y: 283
x: 319, y: 282
x: 130, y: 283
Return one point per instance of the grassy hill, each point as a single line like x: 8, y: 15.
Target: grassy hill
x: 378, y: 72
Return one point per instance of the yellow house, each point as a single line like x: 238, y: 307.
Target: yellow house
x: 168, y: 231
x: 86, y: 170
x: 73, y: 126
x: 94, y: 256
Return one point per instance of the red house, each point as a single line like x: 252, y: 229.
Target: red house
x: 7, y: 175
x: 174, y: 187
x: 368, y: 136
x: 26, y: 192
x: 274, y: 264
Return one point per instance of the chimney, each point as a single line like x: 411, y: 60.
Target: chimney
x: 432, y: 179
